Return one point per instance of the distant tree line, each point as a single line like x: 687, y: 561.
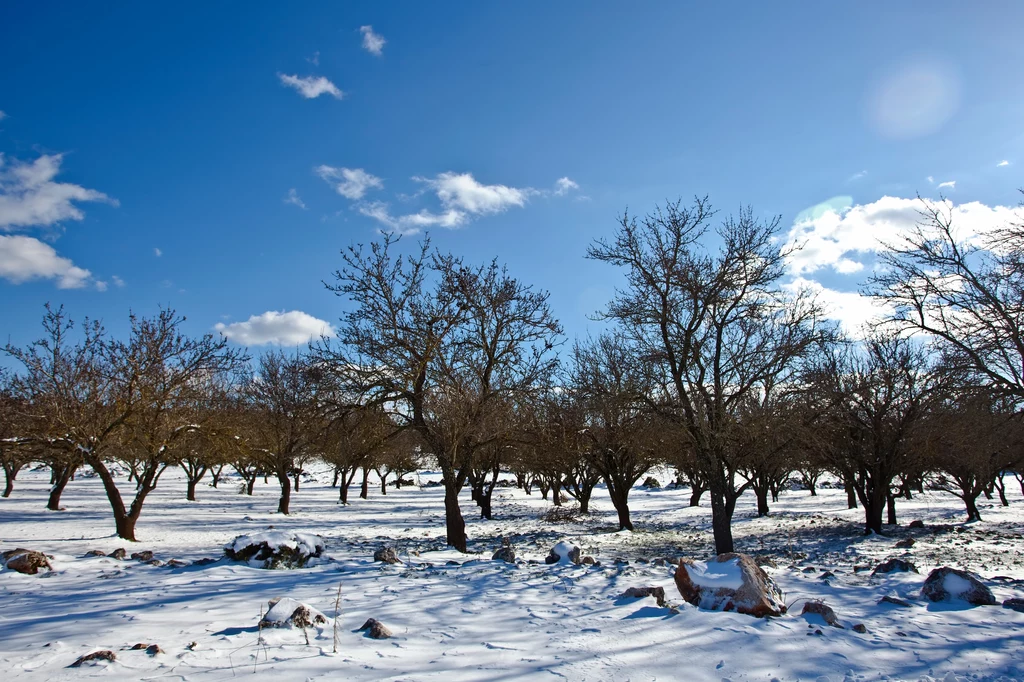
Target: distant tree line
x: 709, y: 365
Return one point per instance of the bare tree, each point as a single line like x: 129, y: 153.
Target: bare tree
x: 714, y: 326
x: 440, y: 343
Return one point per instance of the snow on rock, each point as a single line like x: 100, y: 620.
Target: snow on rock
x: 640, y: 592
x: 563, y: 553
x: 820, y: 608
x: 25, y: 561
x: 287, y: 612
x: 729, y: 582
x: 895, y: 566
x: 948, y: 584
x: 275, y: 549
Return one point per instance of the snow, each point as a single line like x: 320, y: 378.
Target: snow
x: 564, y: 552
x: 955, y: 585
x: 478, y: 619
x: 716, y: 575
x: 284, y: 608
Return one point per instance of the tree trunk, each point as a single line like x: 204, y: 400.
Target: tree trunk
x: 1000, y: 486
x: 190, y: 493
x: 695, y: 494
x: 890, y: 506
x: 249, y: 485
x: 455, y: 525
x: 851, y: 494
x: 10, y: 473
x: 383, y: 482
x: 215, y: 472
x: 334, y: 483
x: 971, y: 502
x: 297, y: 474
x: 721, y: 523
x: 618, y: 491
x: 762, y: 500
x: 286, y: 491
x: 61, y: 476
x: 364, y: 490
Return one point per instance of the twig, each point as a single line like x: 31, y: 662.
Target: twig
x: 337, y: 614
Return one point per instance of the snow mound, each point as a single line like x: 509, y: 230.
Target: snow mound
x: 951, y: 584
x: 276, y: 549
x: 563, y: 553
x: 288, y: 612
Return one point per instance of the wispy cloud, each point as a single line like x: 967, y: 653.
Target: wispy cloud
x: 857, y: 176
x: 2, y: 115
x: 294, y: 199
x: 118, y: 282
x: 564, y: 185
x: 931, y: 180
x: 372, y: 42
x: 351, y: 183
x: 311, y: 87
x: 1002, y: 163
x: 30, y: 196
x: 158, y: 252
x: 277, y: 328
x: 315, y: 59
x: 949, y: 184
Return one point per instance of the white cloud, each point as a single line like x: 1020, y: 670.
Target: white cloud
x: 26, y: 258
x: 854, y: 311
x: 461, y: 192
x: 276, y: 328
x: 413, y: 222
x: 564, y: 185
x: 2, y: 115
x: 101, y: 286
x: 857, y: 176
x: 351, y: 183
x: 315, y: 59
x: 372, y: 42
x: 118, y: 282
x: 951, y: 184
x: 931, y: 180
x: 1002, y: 163
x: 833, y: 237
x: 311, y: 87
x: 294, y: 199
x: 29, y: 196
x: 157, y: 252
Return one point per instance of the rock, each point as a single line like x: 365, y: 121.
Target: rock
x: 102, y: 655
x: 1015, y: 604
x: 765, y: 560
x: 822, y: 609
x: 154, y: 562
x: 640, y: 592
x: 860, y: 627
x: 506, y: 554
x: 154, y: 649
x: 287, y: 612
x: 25, y: 561
x: 177, y: 563
x: 139, y: 647
x: 143, y: 556
x: 826, y: 576
x: 386, y: 555
x: 916, y: 523
x: 120, y: 553
x: 205, y: 561
x: 651, y: 482
x: 452, y: 562
x: 95, y: 552
x: 809, y: 569
x: 729, y: 582
x: 275, y: 549
x: 563, y: 553
x: 945, y: 584
x: 895, y: 601
x: 588, y: 561
x: 375, y: 629
x: 905, y: 543
x: 894, y: 566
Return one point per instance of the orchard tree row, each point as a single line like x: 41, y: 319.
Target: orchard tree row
x: 710, y: 364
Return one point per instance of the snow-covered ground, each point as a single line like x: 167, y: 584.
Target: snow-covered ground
x: 466, y: 617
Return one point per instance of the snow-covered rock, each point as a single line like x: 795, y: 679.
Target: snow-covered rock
x: 640, y: 592
x: 375, y: 629
x: 287, y: 612
x: 275, y: 549
x: 895, y: 566
x: 563, y: 553
x: 729, y: 582
x: 387, y: 555
x: 820, y: 608
x: 25, y: 561
x: 951, y: 584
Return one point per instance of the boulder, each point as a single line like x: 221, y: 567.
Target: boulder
x: 729, y: 582
x: 860, y: 627
x: 563, y: 553
x: 119, y: 553
x: 916, y: 523
x: 651, y: 482
x: 154, y: 649
x: 275, y: 549
x: 286, y: 612
x: 95, y: 552
x: 947, y: 584
x: 820, y: 608
x: 895, y: 601
x: 640, y: 592
x: 506, y: 554
x: 1015, y: 604
x: 894, y: 566
x: 588, y: 561
x: 143, y: 556
x: 177, y: 563
x: 103, y: 655
x: 25, y: 561
x: 905, y: 543
x: 375, y: 629
x: 387, y: 555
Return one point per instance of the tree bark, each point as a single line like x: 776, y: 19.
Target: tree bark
x: 286, y: 492
x: 455, y: 525
x: 10, y: 473
x: 61, y: 475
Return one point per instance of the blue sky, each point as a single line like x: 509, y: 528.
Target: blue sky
x: 215, y: 159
